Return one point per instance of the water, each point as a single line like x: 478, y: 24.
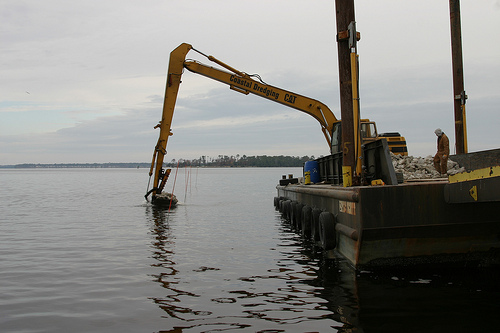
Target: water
x: 82, y: 251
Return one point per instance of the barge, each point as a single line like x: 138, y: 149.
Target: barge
x: 453, y: 220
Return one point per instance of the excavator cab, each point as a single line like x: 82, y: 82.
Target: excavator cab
x: 368, y: 133
x: 368, y: 130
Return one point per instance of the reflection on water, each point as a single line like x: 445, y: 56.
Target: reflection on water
x: 162, y: 253
x: 302, y: 292
x: 298, y: 293
x: 437, y: 300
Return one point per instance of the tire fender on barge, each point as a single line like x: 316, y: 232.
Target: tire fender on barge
x: 327, y: 234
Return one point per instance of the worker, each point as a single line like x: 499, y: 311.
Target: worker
x: 443, y: 151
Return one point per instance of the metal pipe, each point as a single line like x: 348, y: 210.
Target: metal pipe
x: 351, y: 195
x: 347, y: 231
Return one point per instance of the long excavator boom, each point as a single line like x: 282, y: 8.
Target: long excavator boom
x: 238, y: 81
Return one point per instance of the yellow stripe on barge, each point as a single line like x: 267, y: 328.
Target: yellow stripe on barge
x: 489, y: 172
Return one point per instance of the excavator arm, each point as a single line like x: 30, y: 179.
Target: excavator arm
x: 238, y: 81
x: 175, y: 69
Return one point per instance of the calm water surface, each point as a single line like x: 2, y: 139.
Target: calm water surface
x: 82, y: 251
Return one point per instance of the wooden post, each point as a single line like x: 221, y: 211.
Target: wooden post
x: 345, y: 15
x: 459, y: 95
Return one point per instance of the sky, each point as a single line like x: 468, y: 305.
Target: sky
x: 83, y: 81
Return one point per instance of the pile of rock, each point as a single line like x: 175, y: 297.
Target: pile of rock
x: 421, y: 167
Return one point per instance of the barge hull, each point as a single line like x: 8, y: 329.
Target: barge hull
x: 409, y: 223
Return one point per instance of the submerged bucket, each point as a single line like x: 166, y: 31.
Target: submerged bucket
x: 313, y: 168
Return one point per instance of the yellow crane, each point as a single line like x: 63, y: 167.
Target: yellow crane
x: 246, y: 84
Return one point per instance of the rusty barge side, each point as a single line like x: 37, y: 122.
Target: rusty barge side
x: 409, y: 223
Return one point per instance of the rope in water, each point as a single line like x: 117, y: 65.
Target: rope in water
x: 173, y: 187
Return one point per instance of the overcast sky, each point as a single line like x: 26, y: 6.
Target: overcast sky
x: 83, y: 81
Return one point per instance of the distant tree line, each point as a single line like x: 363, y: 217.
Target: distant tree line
x: 221, y: 161
x: 242, y: 161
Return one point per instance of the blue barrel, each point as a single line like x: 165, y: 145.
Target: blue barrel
x: 313, y: 168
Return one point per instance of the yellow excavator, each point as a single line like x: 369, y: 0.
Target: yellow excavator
x: 246, y: 84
